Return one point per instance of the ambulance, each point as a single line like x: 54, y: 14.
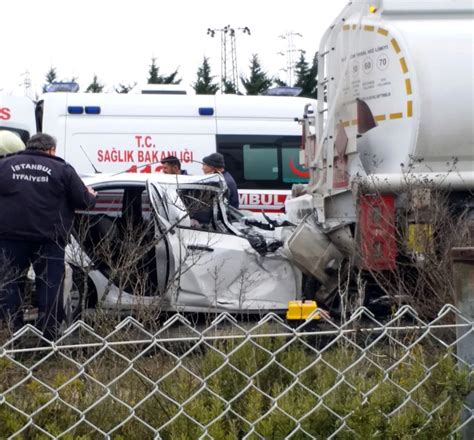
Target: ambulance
x: 17, y: 115
x: 258, y: 136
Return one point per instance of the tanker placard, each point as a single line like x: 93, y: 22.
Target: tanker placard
x: 376, y: 73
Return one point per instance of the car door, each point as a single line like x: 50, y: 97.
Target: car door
x: 169, y: 249
x: 223, y: 271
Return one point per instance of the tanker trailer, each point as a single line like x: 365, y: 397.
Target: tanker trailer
x: 390, y: 154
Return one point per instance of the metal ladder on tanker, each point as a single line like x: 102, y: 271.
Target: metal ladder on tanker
x: 321, y: 158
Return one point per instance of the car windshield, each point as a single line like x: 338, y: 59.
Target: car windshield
x: 181, y: 204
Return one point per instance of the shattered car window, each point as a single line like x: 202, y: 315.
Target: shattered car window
x: 119, y: 224
x: 199, y: 204
x: 170, y: 205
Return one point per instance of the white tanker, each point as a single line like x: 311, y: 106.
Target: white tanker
x: 398, y: 117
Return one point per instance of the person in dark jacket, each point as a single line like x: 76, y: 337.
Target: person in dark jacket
x: 172, y: 165
x: 214, y: 163
x: 38, y: 195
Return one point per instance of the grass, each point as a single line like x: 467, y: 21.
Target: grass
x: 232, y: 388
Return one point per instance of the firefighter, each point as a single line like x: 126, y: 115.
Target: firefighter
x: 38, y: 195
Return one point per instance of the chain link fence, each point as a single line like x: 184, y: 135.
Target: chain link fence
x: 233, y: 379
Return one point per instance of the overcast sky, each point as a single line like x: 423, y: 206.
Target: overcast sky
x: 116, y: 39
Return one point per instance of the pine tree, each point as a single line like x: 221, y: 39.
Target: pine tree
x: 204, y: 84
x: 171, y: 78
x: 258, y: 81
x: 301, y: 71
x: 51, y: 76
x: 124, y: 88
x: 306, y: 76
x: 313, y: 74
x: 95, y: 86
x: 280, y: 83
x: 229, y: 88
x: 303, y: 79
x: 154, y: 76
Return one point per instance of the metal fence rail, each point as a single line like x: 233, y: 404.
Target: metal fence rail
x: 228, y: 379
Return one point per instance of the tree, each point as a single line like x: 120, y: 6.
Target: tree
x: 314, y: 75
x: 124, y: 88
x: 204, y: 84
x: 154, y: 76
x: 280, y: 83
x: 306, y: 76
x: 229, y: 88
x: 258, y: 81
x: 51, y: 76
x: 95, y: 86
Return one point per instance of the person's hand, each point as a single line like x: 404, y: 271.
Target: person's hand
x: 92, y: 191
x: 195, y: 224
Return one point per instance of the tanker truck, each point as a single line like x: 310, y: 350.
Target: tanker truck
x: 389, y: 149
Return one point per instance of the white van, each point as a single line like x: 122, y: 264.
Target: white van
x: 257, y: 135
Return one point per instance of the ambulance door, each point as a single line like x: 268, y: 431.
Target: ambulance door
x: 17, y: 114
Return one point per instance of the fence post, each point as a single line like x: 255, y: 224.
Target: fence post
x: 463, y: 269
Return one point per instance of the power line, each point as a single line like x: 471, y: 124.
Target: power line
x: 229, y: 69
x: 290, y: 54
x: 26, y: 83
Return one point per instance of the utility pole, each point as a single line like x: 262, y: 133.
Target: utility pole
x: 26, y: 83
x: 290, y: 55
x: 229, y: 69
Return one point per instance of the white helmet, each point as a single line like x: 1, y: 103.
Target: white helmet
x: 10, y: 142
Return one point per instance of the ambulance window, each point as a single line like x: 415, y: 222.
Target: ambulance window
x: 260, y: 162
x: 292, y: 172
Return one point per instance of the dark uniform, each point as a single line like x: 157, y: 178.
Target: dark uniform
x: 233, y: 194
x: 38, y: 196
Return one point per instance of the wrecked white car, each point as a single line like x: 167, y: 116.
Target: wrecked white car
x: 173, y: 242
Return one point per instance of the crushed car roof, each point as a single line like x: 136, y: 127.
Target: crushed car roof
x: 161, y: 178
